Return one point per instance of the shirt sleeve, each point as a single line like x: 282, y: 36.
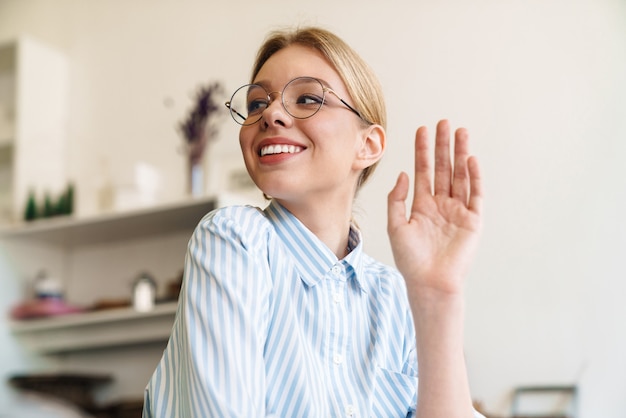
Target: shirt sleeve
x: 213, y: 364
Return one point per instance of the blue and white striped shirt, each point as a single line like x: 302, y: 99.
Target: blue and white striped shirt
x: 271, y: 324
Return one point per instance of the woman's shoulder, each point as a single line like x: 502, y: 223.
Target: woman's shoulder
x: 236, y: 212
x: 236, y: 220
x: 243, y: 215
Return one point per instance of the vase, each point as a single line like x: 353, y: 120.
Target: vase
x: 197, y: 150
x: 195, y: 177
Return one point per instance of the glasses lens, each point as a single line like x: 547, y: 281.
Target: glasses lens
x: 303, y: 97
x: 247, y: 104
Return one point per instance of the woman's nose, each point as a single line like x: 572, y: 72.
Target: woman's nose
x: 275, y: 113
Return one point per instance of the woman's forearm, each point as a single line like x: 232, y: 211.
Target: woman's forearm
x: 443, y: 389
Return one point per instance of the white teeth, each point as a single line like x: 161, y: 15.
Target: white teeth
x: 280, y: 149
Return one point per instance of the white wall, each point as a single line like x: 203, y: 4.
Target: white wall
x: 540, y: 85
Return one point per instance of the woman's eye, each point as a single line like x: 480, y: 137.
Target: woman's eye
x: 257, y: 106
x: 310, y: 99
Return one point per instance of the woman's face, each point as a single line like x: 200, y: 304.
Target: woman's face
x: 314, y: 158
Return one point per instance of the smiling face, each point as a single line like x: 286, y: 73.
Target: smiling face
x: 304, y: 160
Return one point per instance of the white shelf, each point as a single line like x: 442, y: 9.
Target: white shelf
x: 69, y: 231
x: 101, y: 329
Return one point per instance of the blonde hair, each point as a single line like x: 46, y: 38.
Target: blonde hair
x: 360, y: 81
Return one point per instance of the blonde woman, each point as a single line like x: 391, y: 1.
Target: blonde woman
x: 281, y: 312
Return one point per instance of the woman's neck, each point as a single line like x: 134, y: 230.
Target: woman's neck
x: 328, y: 220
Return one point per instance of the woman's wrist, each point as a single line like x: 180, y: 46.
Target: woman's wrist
x: 439, y: 320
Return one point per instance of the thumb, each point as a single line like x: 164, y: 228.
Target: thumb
x: 396, y: 209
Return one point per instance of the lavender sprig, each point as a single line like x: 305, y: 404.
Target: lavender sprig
x: 194, y: 126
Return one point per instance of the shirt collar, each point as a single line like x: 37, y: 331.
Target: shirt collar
x: 355, y: 260
x: 312, y: 258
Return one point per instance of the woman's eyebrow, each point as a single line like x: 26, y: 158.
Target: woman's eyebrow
x: 262, y: 83
x: 324, y: 82
x: 266, y: 83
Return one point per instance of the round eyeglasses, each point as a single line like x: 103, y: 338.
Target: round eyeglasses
x: 302, y: 98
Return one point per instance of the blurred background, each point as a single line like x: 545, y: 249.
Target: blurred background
x: 93, y: 93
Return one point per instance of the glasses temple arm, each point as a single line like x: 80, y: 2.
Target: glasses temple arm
x: 356, y: 112
x: 234, y: 110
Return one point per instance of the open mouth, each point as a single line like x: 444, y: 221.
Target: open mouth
x: 279, y: 149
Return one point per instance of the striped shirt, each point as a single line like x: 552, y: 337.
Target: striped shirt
x: 271, y: 324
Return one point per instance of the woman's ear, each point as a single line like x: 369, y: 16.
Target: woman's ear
x: 372, y: 147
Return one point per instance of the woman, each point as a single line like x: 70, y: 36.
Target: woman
x: 281, y: 313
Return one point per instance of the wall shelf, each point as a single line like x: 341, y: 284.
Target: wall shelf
x: 99, y: 329
x: 68, y: 231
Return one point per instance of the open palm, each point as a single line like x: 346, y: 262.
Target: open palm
x: 434, y: 245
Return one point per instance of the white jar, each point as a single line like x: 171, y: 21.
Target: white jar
x: 144, y: 293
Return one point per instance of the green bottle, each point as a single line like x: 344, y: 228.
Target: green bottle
x: 69, y: 199
x: 48, y: 208
x: 30, y: 213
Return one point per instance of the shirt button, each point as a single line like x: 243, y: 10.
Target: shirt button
x: 336, y: 270
x: 350, y: 410
x: 338, y: 359
x: 337, y: 298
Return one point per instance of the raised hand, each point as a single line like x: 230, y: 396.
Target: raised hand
x: 433, y: 246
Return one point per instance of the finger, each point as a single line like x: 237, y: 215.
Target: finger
x: 442, y: 159
x: 423, y: 179
x: 396, y: 209
x: 476, y: 186
x: 460, y: 182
